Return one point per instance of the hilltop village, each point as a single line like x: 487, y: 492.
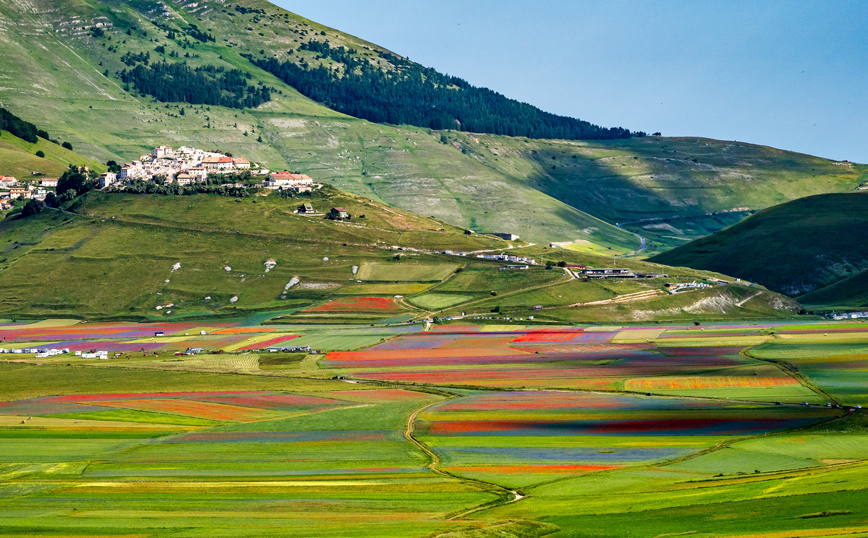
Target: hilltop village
x: 164, y: 165
x: 187, y: 165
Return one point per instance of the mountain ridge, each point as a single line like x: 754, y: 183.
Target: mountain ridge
x: 57, y: 80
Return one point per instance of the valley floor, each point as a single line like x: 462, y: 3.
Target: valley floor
x: 749, y: 430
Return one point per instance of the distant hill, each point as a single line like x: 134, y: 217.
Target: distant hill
x: 814, y: 248
x: 83, y: 77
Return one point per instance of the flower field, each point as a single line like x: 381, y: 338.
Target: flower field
x: 575, y: 359
x: 668, y: 422
x: 359, y: 304
x: 527, y: 435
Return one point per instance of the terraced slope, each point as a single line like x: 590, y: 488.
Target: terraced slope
x: 816, y: 245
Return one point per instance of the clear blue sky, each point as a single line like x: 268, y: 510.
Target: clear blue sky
x: 789, y: 74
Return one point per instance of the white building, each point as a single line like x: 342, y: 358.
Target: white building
x: 108, y: 179
x: 162, y: 152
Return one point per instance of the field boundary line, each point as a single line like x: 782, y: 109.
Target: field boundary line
x: 507, y: 496
x: 792, y: 371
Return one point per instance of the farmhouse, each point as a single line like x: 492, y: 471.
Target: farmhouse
x: 7, y: 182
x: 337, y: 213
x: 241, y: 164
x: 46, y: 182
x: 306, y: 209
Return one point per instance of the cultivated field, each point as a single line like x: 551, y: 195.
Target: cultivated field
x: 459, y: 430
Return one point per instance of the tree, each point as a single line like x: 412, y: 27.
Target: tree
x: 32, y: 207
x: 67, y: 145
x: 562, y: 263
x: 113, y: 167
x: 74, y: 180
x: 51, y: 200
x: 40, y: 154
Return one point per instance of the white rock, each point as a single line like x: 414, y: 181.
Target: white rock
x: 234, y: 299
x: 227, y: 268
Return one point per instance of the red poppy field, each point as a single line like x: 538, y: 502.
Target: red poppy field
x: 359, y: 304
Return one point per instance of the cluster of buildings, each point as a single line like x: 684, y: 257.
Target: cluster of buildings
x: 40, y: 352
x: 12, y: 189
x: 188, y: 165
x: 495, y: 257
x: 687, y: 286
x: 847, y: 315
x: 184, y: 166
x: 610, y: 272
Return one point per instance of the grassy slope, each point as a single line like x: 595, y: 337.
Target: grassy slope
x: 116, y: 256
x: 515, y: 191
x: 848, y: 293
x: 664, y: 188
x: 793, y: 248
x: 18, y: 159
x: 406, y: 167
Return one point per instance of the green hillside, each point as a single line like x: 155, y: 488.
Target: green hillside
x: 848, y: 293
x: 18, y: 159
x: 148, y: 257
x: 808, y: 246
x: 54, y: 76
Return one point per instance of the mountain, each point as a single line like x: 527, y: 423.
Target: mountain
x: 78, y: 68
x: 814, y: 248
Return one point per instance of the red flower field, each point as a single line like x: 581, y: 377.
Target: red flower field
x: 359, y: 304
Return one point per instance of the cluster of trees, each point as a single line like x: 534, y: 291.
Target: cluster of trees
x: 416, y: 95
x: 20, y: 128
x: 245, y: 10
x: 132, y: 59
x: 205, y: 85
x: 198, y: 34
x: 75, y: 181
x: 342, y: 55
x: 173, y: 189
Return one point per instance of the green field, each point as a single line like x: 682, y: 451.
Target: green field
x: 437, y: 301
x: 405, y: 272
x: 270, y: 444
